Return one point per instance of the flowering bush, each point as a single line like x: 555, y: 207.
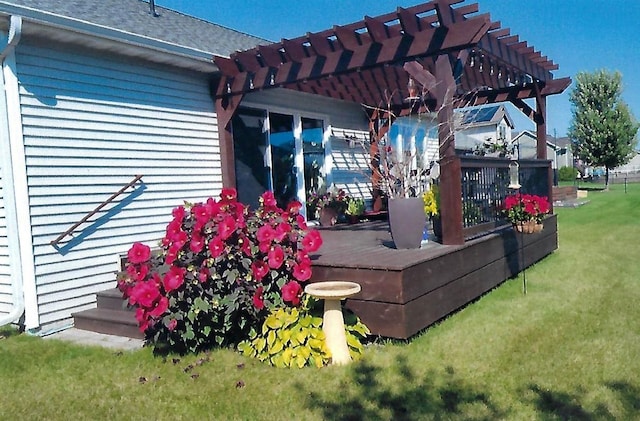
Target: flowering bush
x: 526, y: 207
x: 221, y: 270
x: 431, y: 198
x: 338, y: 200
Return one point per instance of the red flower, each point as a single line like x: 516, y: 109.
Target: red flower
x: 282, y: 230
x: 259, y: 269
x: 258, y: 298
x: 201, y: 212
x: 160, y: 307
x: 266, y: 234
x: 275, y: 257
x: 302, y: 271
x: 172, y: 253
x: 139, y: 253
x: 144, y: 294
x: 137, y: 272
x: 293, y: 208
x: 197, y: 243
x: 216, y: 247
x: 301, y: 222
x: 174, y: 278
x: 174, y: 229
x: 245, y: 246
x: 268, y: 200
x: 226, y: 227
x: 203, y: 275
x: 143, y: 319
x: 229, y: 194
x: 173, y: 323
x: 291, y: 293
x: 179, y: 213
x: 312, y: 241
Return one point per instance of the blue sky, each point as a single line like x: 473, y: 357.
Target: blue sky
x: 578, y: 35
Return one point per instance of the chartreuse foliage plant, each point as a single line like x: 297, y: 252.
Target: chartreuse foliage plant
x: 293, y: 337
x: 222, y: 270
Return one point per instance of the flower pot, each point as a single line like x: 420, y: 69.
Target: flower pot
x: 328, y: 217
x: 528, y: 227
x: 437, y: 227
x: 406, y: 221
x: 353, y: 219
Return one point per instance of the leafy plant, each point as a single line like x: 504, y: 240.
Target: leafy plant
x: 355, y: 206
x: 223, y: 268
x: 293, y: 337
x: 567, y: 173
x: 526, y: 207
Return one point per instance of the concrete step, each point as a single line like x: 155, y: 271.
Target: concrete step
x: 108, y: 321
x: 112, y: 299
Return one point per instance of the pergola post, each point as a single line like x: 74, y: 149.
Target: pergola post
x: 450, y: 171
x: 541, y: 126
x: 225, y: 108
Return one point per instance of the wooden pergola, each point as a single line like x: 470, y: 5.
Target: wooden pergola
x: 442, y: 54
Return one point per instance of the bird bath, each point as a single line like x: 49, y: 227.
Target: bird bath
x: 332, y: 292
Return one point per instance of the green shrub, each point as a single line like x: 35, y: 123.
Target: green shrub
x: 293, y: 337
x: 567, y: 174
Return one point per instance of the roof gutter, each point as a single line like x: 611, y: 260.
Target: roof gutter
x: 15, y: 32
x: 193, y: 58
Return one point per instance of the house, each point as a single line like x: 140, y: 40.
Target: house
x: 95, y: 98
x: 113, y: 112
x: 558, y: 149
x: 482, y: 126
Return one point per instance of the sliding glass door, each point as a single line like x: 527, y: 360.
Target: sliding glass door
x: 281, y: 152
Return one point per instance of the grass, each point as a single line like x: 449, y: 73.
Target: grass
x: 567, y: 350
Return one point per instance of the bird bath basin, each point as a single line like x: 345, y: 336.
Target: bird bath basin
x: 332, y: 292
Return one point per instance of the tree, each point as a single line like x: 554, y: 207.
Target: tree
x: 603, y: 130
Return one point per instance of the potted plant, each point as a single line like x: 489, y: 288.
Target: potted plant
x: 526, y: 211
x: 355, y: 209
x: 328, y: 207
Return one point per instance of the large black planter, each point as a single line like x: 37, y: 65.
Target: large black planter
x: 406, y: 221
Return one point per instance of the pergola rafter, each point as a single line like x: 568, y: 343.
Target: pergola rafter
x: 457, y: 56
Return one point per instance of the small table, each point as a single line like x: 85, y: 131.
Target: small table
x: 333, y: 292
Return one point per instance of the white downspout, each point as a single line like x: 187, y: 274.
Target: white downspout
x: 15, y: 31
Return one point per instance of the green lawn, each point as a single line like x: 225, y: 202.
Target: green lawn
x: 567, y: 350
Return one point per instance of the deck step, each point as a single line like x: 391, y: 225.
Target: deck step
x: 108, y: 321
x: 112, y: 299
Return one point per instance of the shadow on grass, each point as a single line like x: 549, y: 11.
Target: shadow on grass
x: 572, y: 406
x: 399, y: 393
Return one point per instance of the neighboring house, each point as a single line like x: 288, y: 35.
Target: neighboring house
x: 476, y: 127
x: 558, y: 149
x: 97, y: 92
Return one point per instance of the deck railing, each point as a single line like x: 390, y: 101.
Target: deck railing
x: 485, y: 184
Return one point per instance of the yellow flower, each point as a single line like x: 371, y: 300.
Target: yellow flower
x: 430, y: 199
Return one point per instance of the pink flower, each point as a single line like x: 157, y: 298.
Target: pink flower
x: 201, y: 212
x: 268, y: 200
x: 259, y: 269
x: 302, y: 271
x: 258, y: 298
x: 228, y: 194
x: 160, y: 307
x: 174, y: 229
x: 144, y: 294
x: 293, y: 208
x: 226, y: 227
x: 282, y: 230
x: 275, y: 257
x: 291, y: 293
x: 197, y: 243
x: 139, y: 253
x: 173, y: 323
x: 204, y: 275
x: 174, y: 278
x: 138, y: 272
x: 245, y: 246
x: 312, y: 241
x: 179, y: 213
x: 143, y: 319
x: 301, y: 222
x: 216, y: 247
x: 172, y: 253
x: 266, y: 234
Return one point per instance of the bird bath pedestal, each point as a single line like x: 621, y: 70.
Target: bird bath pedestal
x: 332, y: 292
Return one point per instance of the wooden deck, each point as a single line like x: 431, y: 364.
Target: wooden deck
x: 405, y: 291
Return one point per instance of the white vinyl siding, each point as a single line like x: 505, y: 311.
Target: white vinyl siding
x: 91, y: 123
x: 6, y: 298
